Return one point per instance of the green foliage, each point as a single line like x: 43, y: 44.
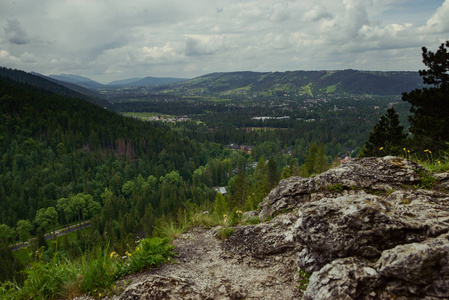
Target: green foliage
x: 251, y: 221
x: 46, y: 217
x: 430, y: 106
x: 221, y: 206
x: 234, y: 217
x: 99, y: 272
x: 169, y: 229
x: 93, y: 274
x: 9, y: 264
x: 24, y: 228
x: 316, y: 162
x: 387, y: 136
x: 151, y: 253
x: 224, y: 232
x: 338, y: 188
x: 6, y: 233
x: 304, y: 281
x: 427, y: 181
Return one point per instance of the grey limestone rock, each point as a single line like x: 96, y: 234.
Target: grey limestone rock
x: 265, y: 239
x: 374, y: 173
x: 423, y: 266
x: 345, y: 278
x: 364, y: 225
x: 363, y: 230
x: 162, y: 287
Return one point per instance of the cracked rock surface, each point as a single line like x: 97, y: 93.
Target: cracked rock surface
x: 363, y: 230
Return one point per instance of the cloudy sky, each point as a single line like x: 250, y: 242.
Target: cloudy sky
x: 115, y: 39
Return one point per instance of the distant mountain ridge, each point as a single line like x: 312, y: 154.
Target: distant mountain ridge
x: 92, y: 84
x: 44, y: 83
x: 296, y: 83
x: 147, y: 81
x: 78, y: 80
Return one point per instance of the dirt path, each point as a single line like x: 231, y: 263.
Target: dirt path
x: 205, y: 271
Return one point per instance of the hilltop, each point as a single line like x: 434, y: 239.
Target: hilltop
x: 42, y: 83
x: 130, y: 82
x: 294, y: 83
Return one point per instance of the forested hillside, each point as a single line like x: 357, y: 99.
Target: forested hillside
x: 53, y: 146
x: 294, y: 83
x: 40, y: 82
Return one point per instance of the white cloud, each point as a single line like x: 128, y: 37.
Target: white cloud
x: 439, y: 22
x: 115, y: 39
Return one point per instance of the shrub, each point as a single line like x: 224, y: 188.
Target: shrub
x: 224, y: 232
x: 151, y: 253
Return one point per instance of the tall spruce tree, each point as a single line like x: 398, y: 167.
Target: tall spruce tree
x: 386, y: 137
x: 430, y: 105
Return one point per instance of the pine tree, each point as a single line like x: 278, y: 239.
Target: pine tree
x: 386, y: 137
x: 316, y: 162
x: 430, y: 106
x: 221, y: 206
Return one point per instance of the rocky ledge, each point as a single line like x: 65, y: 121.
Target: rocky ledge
x: 363, y: 230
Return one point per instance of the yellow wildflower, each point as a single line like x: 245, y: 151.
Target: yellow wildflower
x: 439, y: 162
x: 113, y: 254
x: 381, y: 148
x: 405, y: 149
x: 430, y: 152
x: 427, y: 150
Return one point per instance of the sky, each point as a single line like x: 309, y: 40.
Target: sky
x: 108, y: 40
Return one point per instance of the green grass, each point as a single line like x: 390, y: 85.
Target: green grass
x: 307, y: 89
x: 224, y: 232
x: 332, y: 88
x: 94, y: 273
x: 22, y: 255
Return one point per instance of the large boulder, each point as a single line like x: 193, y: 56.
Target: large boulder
x: 374, y: 173
x: 364, y: 225
x: 422, y: 267
x: 345, y: 278
x: 365, y: 230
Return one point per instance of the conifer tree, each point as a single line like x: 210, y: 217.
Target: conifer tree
x: 221, y: 206
x: 430, y: 105
x: 386, y: 137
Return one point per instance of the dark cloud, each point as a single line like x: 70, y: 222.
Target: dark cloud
x: 15, y: 33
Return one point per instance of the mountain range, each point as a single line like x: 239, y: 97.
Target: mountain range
x: 131, y: 82
x: 295, y: 83
x: 236, y: 84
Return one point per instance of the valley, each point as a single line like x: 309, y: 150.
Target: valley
x: 144, y: 162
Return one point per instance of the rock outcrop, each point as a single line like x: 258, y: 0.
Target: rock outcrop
x: 363, y: 230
